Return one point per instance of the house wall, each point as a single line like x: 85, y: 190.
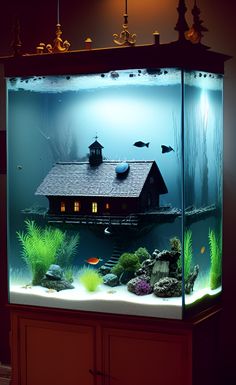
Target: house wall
x: 117, y: 206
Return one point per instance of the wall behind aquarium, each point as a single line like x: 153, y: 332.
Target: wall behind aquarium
x: 99, y: 19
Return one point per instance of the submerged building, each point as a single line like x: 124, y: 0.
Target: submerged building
x: 102, y: 187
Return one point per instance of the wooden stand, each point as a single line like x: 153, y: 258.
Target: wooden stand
x: 59, y: 347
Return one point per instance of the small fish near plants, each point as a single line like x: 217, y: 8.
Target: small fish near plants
x: 93, y: 260
x: 39, y: 248
x: 90, y: 279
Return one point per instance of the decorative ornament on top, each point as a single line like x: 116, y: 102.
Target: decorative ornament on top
x: 58, y: 44
x: 194, y: 34
x: 182, y: 25
x: 125, y: 38
x: 16, y: 44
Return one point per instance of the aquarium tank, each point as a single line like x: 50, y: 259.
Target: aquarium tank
x: 115, y: 190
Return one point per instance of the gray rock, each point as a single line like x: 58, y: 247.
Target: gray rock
x: 54, y: 272
x: 57, y: 285
x: 111, y: 280
x: 170, y: 256
x: 146, y: 267
x: 160, y: 270
x: 168, y: 287
x: 103, y: 270
x: 189, y: 283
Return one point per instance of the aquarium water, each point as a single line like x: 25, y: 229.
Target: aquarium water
x: 115, y: 191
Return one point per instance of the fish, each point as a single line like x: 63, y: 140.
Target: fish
x: 165, y: 149
x: 93, y: 260
x: 141, y: 144
x: 202, y: 250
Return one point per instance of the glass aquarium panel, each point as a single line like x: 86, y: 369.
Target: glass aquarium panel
x: 203, y: 154
x: 95, y: 191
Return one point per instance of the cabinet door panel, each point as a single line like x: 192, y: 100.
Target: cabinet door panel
x: 144, y: 358
x: 56, y: 354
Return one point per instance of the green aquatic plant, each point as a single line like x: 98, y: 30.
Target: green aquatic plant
x: 142, y: 254
x: 215, y: 243
x: 40, y: 246
x: 129, y: 261
x: 69, y: 274
x: 67, y: 250
x: 117, y: 269
x: 188, y: 252
x: 90, y: 279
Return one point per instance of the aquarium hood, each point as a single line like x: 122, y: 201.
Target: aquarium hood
x: 187, y: 53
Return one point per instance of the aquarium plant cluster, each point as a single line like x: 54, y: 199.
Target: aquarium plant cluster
x: 48, y: 253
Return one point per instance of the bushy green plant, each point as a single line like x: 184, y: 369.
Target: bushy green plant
x: 126, y: 262
x: 215, y: 243
x: 142, y: 254
x: 40, y: 247
x: 129, y: 261
x: 117, y: 269
x: 67, y: 250
x: 90, y: 279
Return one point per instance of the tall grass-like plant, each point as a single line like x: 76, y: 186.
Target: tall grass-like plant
x: 90, y: 279
x: 67, y: 250
x: 188, y: 253
x: 40, y: 247
x: 215, y: 243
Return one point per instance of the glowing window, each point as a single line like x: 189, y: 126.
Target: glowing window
x: 107, y: 206
x: 76, y: 206
x: 63, y: 207
x: 94, y: 207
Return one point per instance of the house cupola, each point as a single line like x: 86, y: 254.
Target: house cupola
x: 95, y: 153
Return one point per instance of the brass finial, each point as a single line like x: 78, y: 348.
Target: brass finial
x: 195, y: 32
x: 125, y: 38
x: 16, y: 44
x: 182, y: 25
x: 58, y: 44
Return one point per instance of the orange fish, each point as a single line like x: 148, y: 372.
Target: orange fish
x: 202, y: 250
x: 93, y: 260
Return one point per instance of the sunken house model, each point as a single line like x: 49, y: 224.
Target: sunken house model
x: 102, y: 190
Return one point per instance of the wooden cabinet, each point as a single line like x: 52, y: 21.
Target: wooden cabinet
x: 146, y: 358
x: 53, y: 347
x: 54, y: 353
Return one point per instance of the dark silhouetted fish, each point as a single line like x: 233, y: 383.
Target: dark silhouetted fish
x: 165, y: 149
x: 141, y: 144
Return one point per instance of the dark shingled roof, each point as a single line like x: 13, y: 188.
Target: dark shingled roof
x: 82, y: 179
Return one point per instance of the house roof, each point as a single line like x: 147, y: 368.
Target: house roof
x: 95, y: 145
x: 82, y: 179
